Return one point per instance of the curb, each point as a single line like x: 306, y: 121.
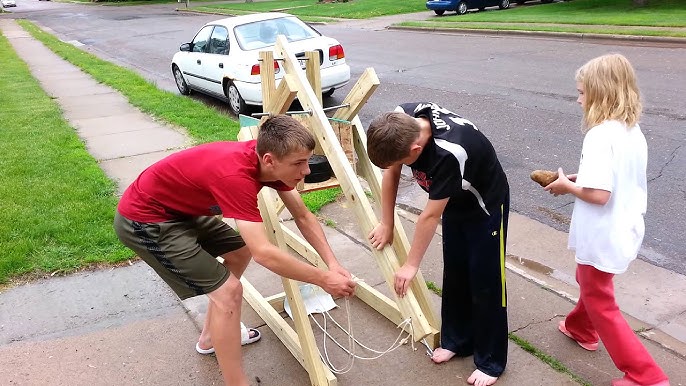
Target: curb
x: 565, y: 35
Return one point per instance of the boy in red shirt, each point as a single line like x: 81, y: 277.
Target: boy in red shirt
x: 168, y: 216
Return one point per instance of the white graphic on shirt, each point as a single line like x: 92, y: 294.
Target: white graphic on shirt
x: 461, y: 155
x: 463, y: 122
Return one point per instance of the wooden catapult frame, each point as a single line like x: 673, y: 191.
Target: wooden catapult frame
x: 338, y: 145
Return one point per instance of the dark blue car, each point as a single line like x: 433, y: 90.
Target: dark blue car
x: 461, y: 6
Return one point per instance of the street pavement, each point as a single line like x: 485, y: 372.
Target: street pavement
x: 122, y: 325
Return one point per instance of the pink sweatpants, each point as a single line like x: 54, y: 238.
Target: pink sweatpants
x: 597, y: 316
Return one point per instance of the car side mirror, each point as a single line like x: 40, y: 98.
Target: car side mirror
x: 185, y: 47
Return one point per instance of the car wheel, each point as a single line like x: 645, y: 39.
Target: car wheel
x: 236, y: 102
x: 180, y: 81
x: 439, y: 13
x: 328, y: 93
x: 462, y: 8
x: 504, y: 4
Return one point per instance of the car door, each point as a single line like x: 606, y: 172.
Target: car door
x: 215, y: 60
x: 191, y: 64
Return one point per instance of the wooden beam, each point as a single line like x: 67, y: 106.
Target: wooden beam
x: 267, y: 77
x: 358, y: 95
x: 313, y: 73
x: 319, y: 124
x: 365, y: 292
x: 401, y: 244
x: 282, y: 98
x: 319, y: 374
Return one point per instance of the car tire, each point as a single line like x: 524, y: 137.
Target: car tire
x: 461, y: 8
x: 320, y: 169
x: 236, y: 103
x: 180, y: 81
x: 439, y: 12
x: 328, y: 93
x: 504, y: 4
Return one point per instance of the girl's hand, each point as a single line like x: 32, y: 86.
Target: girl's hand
x: 562, y: 185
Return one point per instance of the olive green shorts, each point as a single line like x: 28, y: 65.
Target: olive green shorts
x: 182, y: 252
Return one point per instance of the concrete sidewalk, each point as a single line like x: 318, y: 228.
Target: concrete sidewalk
x: 124, y: 326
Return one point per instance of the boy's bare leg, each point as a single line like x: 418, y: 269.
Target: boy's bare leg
x: 224, y: 327
x: 236, y: 262
x: 442, y: 355
x: 479, y: 378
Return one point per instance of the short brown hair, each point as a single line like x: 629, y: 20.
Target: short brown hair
x: 389, y: 138
x: 282, y: 135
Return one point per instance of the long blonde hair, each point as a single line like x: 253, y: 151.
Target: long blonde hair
x: 611, y: 91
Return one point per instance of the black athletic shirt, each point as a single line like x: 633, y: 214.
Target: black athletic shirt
x: 459, y: 162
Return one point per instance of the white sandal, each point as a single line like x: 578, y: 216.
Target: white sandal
x: 245, y: 339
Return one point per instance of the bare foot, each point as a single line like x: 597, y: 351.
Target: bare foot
x: 442, y: 355
x: 479, y: 378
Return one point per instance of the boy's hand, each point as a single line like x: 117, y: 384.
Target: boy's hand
x: 381, y: 235
x: 403, y: 278
x: 335, y: 267
x: 337, y: 284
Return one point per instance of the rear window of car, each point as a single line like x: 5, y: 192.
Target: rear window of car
x: 260, y: 34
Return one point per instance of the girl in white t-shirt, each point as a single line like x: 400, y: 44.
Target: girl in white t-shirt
x: 607, y: 222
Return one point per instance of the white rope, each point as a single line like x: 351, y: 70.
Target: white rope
x: 352, y: 341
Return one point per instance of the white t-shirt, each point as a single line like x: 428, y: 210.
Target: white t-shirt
x: 613, y: 158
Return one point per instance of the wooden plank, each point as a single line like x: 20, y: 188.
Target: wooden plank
x: 401, y: 244
x: 368, y: 294
x: 319, y: 374
x: 313, y: 186
x: 319, y: 124
x: 276, y: 301
x: 358, y: 95
x: 271, y: 317
x: 313, y: 74
x: 267, y: 76
x: 282, y: 98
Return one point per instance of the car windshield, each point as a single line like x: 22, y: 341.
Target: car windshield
x: 263, y: 33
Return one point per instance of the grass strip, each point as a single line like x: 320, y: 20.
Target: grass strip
x: 547, y: 359
x: 357, y: 9
x: 316, y: 200
x: 57, y: 205
x: 657, y: 13
x: 526, y: 346
x: 204, y: 124
x: 609, y: 30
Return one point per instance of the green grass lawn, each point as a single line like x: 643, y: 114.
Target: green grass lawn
x: 357, y: 9
x: 658, y: 13
x: 57, y: 204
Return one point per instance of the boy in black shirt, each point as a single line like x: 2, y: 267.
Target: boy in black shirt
x: 457, y: 165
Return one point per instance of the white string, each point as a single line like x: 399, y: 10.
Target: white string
x: 352, y: 341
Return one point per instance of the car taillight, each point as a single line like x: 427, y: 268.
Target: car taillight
x: 255, y: 70
x: 336, y: 52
